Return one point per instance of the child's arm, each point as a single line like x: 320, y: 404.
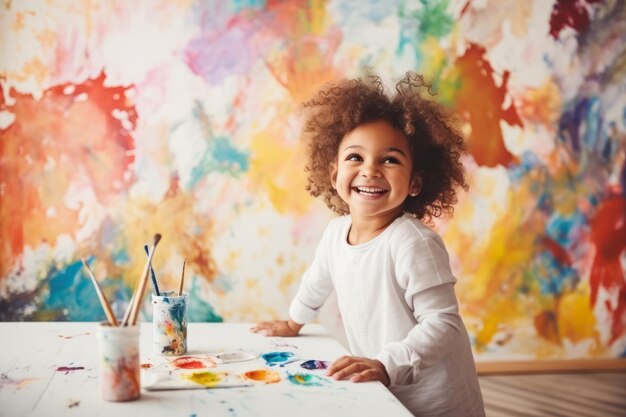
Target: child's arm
x: 439, y: 329
x: 286, y: 328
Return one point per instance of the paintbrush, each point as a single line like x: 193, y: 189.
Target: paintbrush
x: 128, y: 308
x: 182, y: 279
x: 141, y: 286
x: 103, y: 300
x: 152, y: 275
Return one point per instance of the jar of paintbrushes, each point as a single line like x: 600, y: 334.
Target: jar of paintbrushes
x: 169, y: 319
x: 120, y: 378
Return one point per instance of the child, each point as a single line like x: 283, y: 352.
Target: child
x: 383, y: 164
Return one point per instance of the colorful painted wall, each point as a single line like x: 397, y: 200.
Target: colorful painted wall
x: 122, y: 119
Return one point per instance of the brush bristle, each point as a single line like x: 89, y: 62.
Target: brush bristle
x: 157, y: 237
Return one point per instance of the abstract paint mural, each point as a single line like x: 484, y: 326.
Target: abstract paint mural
x: 121, y: 119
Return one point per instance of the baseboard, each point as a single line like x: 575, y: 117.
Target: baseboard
x: 550, y: 366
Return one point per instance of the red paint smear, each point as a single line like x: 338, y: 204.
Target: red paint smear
x: 188, y: 362
x: 146, y: 365
x: 51, y: 142
x: 557, y: 251
x: 570, y: 13
x: 481, y: 103
x: 608, y: 234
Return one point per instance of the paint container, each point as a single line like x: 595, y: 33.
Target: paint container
x: 169, y: 319
x: 119, y: 362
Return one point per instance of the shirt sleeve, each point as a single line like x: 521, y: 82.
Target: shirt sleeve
x: 429, y: 291
x: 315, y: 288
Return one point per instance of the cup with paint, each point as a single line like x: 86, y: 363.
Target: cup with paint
x: 119, y: 362
x: 169, y: 320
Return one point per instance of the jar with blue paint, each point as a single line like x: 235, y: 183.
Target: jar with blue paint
x: 169, y: 319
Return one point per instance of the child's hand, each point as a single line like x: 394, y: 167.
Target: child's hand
x: 359, y: 370
x: 286, y: 328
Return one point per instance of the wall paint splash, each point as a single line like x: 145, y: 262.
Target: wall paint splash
x: 198, y: 141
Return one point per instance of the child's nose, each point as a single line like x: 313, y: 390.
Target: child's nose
x: 370, y: 170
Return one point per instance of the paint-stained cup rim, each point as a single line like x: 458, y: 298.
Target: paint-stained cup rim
x: 104, y: 327
x: 170, y: 295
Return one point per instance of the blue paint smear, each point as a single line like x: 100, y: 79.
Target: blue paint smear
x: 71, y: 295
x: 307, y: 380
x: 229, y: 158
x: 221, y: 156
x: 565, y: 230
x: 555, y: 279
x: 375, y: 11
x: 584, y: 128
x: 276, y: 358
x: 247, y: 5
x: 199, y: 310
x: 529, y: 162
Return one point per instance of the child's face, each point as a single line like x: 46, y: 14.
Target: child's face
x: 373, y: 170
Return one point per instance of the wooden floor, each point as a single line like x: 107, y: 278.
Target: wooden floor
x: 563, y: 394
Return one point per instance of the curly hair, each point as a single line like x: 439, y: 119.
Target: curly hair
x: 432, y: 131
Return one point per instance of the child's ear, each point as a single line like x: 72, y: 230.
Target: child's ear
x: 333, y: 174
x: 416, y: 186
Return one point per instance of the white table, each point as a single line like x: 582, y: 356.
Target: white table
x: 32, y: 385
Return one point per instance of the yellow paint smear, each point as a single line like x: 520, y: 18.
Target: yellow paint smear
x: 576, y: 320
x: 207, y: 379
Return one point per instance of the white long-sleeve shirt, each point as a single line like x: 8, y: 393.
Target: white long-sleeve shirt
x: 396, y: 298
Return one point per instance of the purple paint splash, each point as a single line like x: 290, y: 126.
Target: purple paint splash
x: 68, y: 369
x: 315, y: 364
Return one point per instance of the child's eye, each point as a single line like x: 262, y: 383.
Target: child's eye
x: 353, y: 157
x: 391, y: 160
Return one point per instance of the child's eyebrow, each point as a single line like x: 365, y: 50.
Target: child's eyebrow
x: 389, y: 149
x: 392, y: 149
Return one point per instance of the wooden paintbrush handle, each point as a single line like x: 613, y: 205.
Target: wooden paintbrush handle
x: 141, y: 286
x: 103, y: 300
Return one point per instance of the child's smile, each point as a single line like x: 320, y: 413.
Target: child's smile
x: 370, y: 192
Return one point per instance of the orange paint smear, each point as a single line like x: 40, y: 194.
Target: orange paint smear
x: 481, y: 103
x: 546, y: 326
x: 263, y: 375
x: 82, y: 136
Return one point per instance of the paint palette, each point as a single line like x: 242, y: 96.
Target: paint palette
x: 166, y: 381
x: 235, y: 356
